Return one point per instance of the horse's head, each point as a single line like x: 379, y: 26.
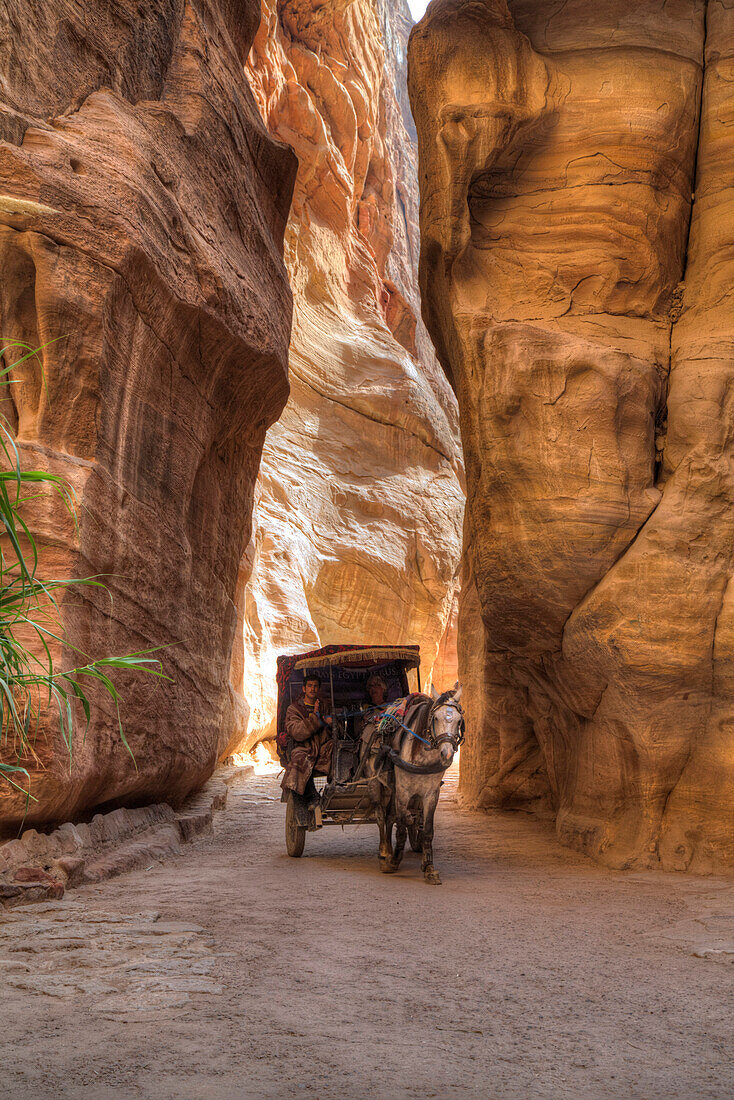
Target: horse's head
x: 446, y: 723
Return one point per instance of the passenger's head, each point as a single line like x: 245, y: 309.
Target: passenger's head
x: 311, y: 688
x: 377, y: 690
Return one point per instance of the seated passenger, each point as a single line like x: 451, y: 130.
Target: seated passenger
x: 309, y: 733
x: 377, y: 691
x: 376, y: 699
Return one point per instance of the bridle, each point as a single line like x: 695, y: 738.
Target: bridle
x: 453, y: 739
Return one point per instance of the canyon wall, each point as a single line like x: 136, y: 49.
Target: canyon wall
x: 142, y: 212
x: 577, y: 221
x: 359, y: 503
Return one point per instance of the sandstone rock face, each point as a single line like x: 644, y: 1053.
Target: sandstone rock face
x: 142, y: 212
x: 359, y: 503
x: 577, y: 272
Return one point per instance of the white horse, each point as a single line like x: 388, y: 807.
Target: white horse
x: 405, y: 776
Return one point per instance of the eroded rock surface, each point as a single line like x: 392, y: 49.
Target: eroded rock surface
x: 577, y: 223
x: 142, y: 211
x: 359, y: 502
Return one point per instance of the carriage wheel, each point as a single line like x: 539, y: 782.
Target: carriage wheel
x: 415, y: 837
x: 295, y: 834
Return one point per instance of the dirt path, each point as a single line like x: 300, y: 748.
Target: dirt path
x: 233, y: 972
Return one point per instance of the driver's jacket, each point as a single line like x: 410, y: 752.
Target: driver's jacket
x: 310, y: 746
x: 301, y: 723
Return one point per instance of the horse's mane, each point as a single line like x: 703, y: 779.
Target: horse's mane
x: 419, y: 718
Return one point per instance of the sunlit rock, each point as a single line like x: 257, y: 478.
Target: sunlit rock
x: 142, y: 210
x: 359, y: 503
x: 589, y: 338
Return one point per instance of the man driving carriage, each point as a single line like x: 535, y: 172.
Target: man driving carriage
x: 308, y: 727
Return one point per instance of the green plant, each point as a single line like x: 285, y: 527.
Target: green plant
x: 29, y: 681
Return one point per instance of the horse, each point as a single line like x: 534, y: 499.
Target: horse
x: 405, y: 776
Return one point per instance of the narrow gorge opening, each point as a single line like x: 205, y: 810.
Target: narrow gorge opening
x: 359, y: 503
x: 244, y: 358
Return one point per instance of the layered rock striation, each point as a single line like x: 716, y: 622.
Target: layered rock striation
x: 359, y: 503
x: 577, y: 222
x: 142, y: 212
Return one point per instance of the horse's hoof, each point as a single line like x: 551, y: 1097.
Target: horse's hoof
x: 432, y: 878
x: 388, y: 867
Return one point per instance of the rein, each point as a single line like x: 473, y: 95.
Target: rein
x: 391, y: 718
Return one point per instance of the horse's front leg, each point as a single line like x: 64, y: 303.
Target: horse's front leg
x: 385, y: 827
x: 401, y: 834
x: 380, y: 799
x: 397, y: 814
x: 430, y: 873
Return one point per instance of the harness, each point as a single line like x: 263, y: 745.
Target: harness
x: 386, y: 752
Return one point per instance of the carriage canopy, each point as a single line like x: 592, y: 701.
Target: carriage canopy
x: 346, y: 657
x: 347, y: 668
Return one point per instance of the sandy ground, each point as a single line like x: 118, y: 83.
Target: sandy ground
x: 233, y: 971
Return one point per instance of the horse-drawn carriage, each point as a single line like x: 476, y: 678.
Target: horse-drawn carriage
x: 386, y: 760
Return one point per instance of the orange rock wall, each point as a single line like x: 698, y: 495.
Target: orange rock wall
x: 575, y: 165
x: 142, y: 211
x: 359, y: 503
